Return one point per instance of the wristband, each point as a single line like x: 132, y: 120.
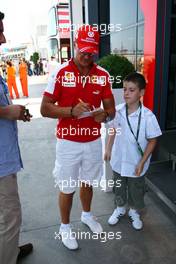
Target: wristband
x: 108, y: 118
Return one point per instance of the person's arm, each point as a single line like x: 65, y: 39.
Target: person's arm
x: 148, y: 151
x: 50, y: 109
x: 109, y: 144
x: 108, y: 111
x: 13, y: 112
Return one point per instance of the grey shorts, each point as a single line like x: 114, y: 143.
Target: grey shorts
x: 129, y: 191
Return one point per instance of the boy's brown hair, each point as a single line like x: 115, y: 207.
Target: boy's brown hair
x: 136, y: 78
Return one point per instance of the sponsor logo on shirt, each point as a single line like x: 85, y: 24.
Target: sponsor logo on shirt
x: 69, y: 79
x: 69, y: 76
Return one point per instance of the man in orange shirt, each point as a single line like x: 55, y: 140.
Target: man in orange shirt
x: 11, y: 80
x: 23, y: 77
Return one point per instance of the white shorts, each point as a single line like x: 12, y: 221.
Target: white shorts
x: 77, y: 162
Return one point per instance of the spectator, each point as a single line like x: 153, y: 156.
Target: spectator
x: 11, y: 80
x: 10, y: 164
x: 23, y: 77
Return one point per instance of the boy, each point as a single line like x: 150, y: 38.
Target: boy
x: 134, y: 137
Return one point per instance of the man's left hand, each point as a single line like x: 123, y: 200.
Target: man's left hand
x: 100, y: 116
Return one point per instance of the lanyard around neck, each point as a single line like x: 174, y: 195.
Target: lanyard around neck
x: 138, y: 127
x: 139, y: 122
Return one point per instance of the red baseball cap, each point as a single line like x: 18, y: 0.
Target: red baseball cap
x: 87, y: 38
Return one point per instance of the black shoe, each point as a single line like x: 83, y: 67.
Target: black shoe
x: 24, y: 251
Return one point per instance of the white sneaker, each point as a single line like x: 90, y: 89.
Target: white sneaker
x: 135, y: 219
x: 68, y: 239
x: 116, y: 215
x: 91, y: 222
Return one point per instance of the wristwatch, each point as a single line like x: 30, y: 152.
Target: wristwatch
x: 108, y: 118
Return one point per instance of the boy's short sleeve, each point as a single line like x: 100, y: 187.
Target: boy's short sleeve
x: 113, y: 123
x: 152, y: 127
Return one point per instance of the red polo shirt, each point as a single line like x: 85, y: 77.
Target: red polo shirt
x: 66, y: 87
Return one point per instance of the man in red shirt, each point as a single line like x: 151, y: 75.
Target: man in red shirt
x: 74, y: 95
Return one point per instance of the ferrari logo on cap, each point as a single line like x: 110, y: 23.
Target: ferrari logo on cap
x: 91, y: 34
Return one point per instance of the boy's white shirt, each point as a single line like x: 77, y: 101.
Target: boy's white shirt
x: 125, y: 154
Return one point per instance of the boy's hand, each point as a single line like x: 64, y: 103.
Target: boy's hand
x: 139, y: 169
x: 107, y: 155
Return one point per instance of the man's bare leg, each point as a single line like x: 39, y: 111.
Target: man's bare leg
x: 86, y: 194
x: 65, y: 205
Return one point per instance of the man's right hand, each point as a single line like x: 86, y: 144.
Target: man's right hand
x: 80, y: 108
x: 16, y: 112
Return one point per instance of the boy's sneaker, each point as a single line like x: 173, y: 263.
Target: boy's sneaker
x: 91, y: 222
x: 135, y: 219
x: 68, y: 239
x: 116, y: 215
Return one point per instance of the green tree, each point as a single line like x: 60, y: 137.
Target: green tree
x: 118, y: 67
x: 35, y: 57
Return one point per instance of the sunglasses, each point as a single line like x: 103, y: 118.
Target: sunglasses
x: 88, y: 54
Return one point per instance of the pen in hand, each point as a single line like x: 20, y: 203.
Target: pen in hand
x: 84, y: 104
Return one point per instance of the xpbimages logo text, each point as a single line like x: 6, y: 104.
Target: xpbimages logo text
x: 86, y: 131
x: 80, y: 235
x: 71, y: 183
x: 102, y: 28
x: 70, y: 79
